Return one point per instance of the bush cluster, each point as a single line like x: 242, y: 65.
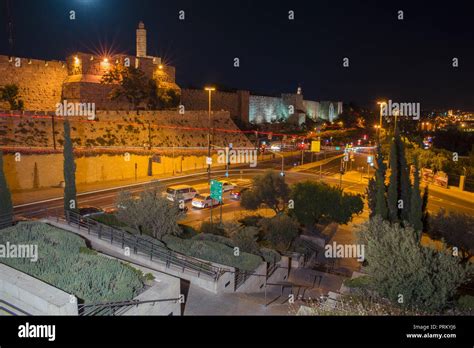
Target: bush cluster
x: 65, y: 262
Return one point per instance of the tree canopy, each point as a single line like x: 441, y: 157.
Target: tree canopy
x: 149, y: 213
x: 406, y: 272
x: 319, y: 203
x: 269, y: 189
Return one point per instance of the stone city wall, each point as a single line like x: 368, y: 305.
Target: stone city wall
x: 40, y: 82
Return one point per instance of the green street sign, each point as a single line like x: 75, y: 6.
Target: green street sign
x: 216, y: 190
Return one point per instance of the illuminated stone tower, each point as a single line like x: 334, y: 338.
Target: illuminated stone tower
x: 141, y: 40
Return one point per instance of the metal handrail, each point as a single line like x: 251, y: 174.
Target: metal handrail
x: 14, y: 307
x: 139, y: 244
x: 115, y: 308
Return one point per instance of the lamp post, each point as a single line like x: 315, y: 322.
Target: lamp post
x: 210, y: 90
x: 396, y: 114
x: 380, y: 122
x: 282, y: 173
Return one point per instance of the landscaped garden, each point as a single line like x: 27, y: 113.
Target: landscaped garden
x: 64, y: 261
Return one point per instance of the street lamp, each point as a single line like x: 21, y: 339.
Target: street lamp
x: 210, y: 90
x: 380, y: 122
x: 282, y: 173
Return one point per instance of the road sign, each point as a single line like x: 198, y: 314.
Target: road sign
x: 315, y: 146
x: 209, y: 160
x: 216, y: 190
x: 370, y: 159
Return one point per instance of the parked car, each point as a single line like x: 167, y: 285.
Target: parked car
x: 201, y: 201
x: 227, y: 185
x: 236, y: 193
x: 90, y: 211
x: 180, y: 192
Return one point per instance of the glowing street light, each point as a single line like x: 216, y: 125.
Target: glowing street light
x: 380, y: 123
x: 210, y: 90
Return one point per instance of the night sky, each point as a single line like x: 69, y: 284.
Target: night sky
x: 406, y: 61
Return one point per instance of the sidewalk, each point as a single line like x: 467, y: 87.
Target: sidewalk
x: 35, y: 195
x: 46, y: 193
x: 315, y: 164
x: 453, y: 191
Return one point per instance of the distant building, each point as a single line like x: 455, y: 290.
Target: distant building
x: 43, y: 84
x: 291, y: 107
x: 250, y: 108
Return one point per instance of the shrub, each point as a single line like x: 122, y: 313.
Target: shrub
x: 269, y: 255
x: 215, y: 238
x: 149, y: 277
x: 246, y: 239
x: 270, y: 189
x: 213, y: 252
x: 208, y: 228
x: 399, y: 265
x: 359, y: 282
x: 319, y: 202
x: 251, y: 220
x: 188, y: 232
x: 455, y: 229
x: 64, y: 262
x: 109, y: 220
x: 280, y: 231
x: 151, y: 213
x: 466, y: 303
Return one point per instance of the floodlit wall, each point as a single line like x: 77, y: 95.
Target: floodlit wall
x: 22, y: 174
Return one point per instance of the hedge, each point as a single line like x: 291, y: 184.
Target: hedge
x: 215, y: 238
x: 269, y: 255
x: 64, y: 262
x: 213, y: 252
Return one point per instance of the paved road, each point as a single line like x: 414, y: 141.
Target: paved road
x: 328, y: 173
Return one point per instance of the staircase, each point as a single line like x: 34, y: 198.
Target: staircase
x: 7, y: 309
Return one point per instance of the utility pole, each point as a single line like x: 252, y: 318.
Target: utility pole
x: 341, y: 172
x: 380, y: 121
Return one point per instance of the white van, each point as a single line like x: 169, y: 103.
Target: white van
x: 180, y: 192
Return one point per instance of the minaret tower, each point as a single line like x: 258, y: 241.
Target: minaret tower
x: 141, y: 40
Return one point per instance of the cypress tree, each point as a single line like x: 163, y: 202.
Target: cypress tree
x: 69, y: 171
x: 392, y: 195
x: 6, y: 205
x: 380, y: 199
x: 424, y: 207
x: 416, y: 204
x: 405, y: 184
x: 371, y: 192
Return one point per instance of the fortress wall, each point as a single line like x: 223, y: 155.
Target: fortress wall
x: 236, y: 103
x: 40, y: 81
x: 267, y: 109
x: 121, y: 128
x: 21, y: 173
